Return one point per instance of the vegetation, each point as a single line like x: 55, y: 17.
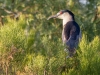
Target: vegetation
x: 31, y: 45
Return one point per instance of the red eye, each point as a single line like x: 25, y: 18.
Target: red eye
x: 61, y: 12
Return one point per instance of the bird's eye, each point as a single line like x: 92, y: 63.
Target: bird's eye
x: 61, y: 12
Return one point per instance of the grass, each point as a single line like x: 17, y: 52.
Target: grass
x: 29, y: 53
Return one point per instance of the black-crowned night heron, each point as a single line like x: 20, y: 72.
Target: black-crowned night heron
x: 71, y: 30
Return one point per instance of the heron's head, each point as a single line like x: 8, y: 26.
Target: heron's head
x: 63, y: 14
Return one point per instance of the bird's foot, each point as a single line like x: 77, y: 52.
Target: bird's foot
x: 66, y: 50
x: 67, y: 57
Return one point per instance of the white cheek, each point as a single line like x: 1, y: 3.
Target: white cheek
x: 58, y: 13
x: 60, y: 17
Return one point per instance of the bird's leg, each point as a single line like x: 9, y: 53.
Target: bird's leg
x: 66, y: 51
x: 71, y: 52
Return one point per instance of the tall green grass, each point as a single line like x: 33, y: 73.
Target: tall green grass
x: 89, y: 57
x: 31, y: 51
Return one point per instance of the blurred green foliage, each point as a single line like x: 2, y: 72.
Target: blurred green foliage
x: 32, y: 45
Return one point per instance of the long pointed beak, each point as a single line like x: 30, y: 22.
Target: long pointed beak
x: 53, y: 16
